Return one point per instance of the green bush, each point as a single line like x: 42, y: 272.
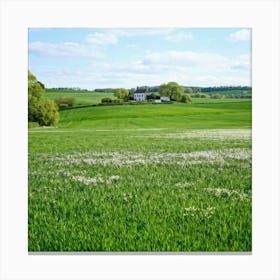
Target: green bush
x: 62, y: 101
x: 200, y: 95
x: 186, y: 98
x: 107, y: 100
x: 40, y: 110
x: 62, y: 106
x: 217, y: 96
x: 152, y: 96
x: 32, y: 124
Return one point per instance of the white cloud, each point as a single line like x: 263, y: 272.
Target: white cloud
x: 186, y: 68
x: 101, y: 39
x: 66, y: 49
x: 136, y: 32
x: 242, y: 62
x: 240, y: 35
x: 92, y: 47
x: 186, y: 59
x: 179, y: 37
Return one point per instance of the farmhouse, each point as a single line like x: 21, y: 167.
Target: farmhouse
x: 140, y: 94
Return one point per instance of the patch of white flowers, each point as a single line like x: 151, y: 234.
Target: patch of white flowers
x: 95, y: 180
x: 199, y: 212
x: 219, y: 134
x: 220, y: 192
x: 129, y: 196
x: 130, y: 159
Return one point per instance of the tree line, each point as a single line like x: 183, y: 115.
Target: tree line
x: 173, y: 90
x: 155, y: 89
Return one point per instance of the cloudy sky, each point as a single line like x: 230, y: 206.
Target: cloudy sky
x: 99, y: 58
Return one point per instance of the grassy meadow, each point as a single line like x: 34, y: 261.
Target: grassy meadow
x: 142, y: 178
x: 81, y: 97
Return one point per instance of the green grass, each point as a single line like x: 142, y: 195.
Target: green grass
x: 159, y: 178
x: 222, y: 100
x: 229, y: 92
x: 160, y: 116
x: 81, y: 97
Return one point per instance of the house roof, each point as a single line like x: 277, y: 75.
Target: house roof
x: 141, y: 90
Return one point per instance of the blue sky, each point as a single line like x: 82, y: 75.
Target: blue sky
x: 98, y: 58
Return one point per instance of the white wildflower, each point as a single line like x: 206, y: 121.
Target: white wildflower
x: 220, y: 192
x: 199, y: 212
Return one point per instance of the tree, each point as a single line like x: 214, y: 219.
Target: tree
x: 152, y: 96
x: 172, y: 90
x: 40, y: 110
x: 121, y: 93
x: 189, y: 90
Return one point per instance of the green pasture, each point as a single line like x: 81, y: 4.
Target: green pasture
x: 142, y: 178
x: 81, y: 97
x: 229, y: 92
x: 221, y: 100
x: 170, y: 116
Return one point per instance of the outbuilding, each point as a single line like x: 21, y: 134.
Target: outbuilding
x: 165, y: 98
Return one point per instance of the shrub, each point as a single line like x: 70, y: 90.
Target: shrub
x: 106, y: 100
x: 62, y: 106
x: 62, y: 101
x: 186, y: 98
x: 152, y: 96
x: 200, y: 95
x: 217, y: 96
x: 40, y: 110
x: 32, y: 124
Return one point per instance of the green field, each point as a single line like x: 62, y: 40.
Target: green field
x: 229, y: 92
x: 81, y: 97
x: 157, y: 178
x: 91, y: 97
x: 222, y: 100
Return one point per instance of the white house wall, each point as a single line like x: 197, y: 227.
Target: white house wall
x: 139, y: 96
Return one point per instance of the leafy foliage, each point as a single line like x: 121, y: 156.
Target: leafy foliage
x: 40, y: 110
x: 172, y: 90
x: 217, y: 96
x: 121, y: 93
x: 64, y: 101
x: 107, y: 100
x: 186, y: 98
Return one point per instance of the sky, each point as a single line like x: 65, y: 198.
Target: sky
x: 91, y: 58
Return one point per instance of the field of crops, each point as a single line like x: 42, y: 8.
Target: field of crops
x: 157, y: 178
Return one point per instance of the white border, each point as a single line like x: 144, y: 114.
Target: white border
x: 261, y: 16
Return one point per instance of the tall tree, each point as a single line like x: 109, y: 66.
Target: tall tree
x: 121, y: 93
x: 40, y: 110
x: 172, y: 90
